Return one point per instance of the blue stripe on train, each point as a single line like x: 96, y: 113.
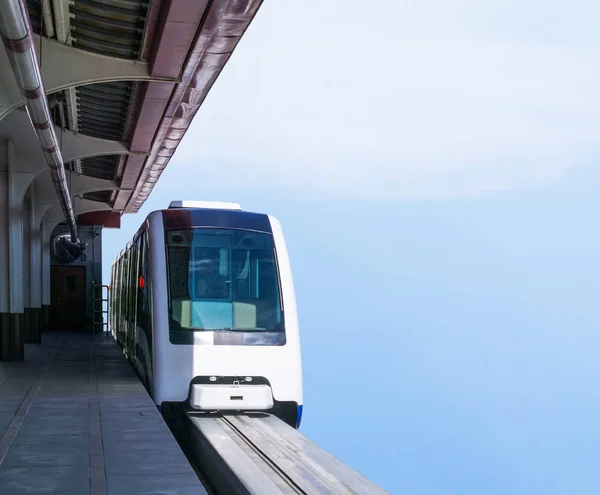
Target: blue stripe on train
x: 299, y: 417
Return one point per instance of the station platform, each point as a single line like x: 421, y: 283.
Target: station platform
x: 76, y: 420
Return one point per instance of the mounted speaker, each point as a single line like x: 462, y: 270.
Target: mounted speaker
x: 65, y: 250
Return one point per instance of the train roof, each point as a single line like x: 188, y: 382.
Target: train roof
x: 215, y: 206
x: 209, y: 205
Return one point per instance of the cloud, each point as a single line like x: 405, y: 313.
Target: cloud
x: 438, y: 99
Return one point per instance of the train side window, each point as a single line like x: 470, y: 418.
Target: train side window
x: 126, y: 286
x: 134, y: 283
x: 142, y: 284
x: 122, y: 289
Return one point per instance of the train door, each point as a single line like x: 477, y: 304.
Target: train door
x: 67, y: 310
x: 137, y: 284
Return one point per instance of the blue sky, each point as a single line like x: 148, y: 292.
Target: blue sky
x: 434, y: 167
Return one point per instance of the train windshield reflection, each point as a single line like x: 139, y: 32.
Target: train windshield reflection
x: 223, y: 279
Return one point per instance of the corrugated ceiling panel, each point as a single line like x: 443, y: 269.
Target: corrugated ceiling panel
x: 100, y: 196
x: 101, y: 167
x: 109, y: 27
x: 102, y: 109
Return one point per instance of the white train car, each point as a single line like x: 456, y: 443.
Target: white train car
x: 203, y: 305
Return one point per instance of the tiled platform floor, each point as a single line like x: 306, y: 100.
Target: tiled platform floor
x: 75, y: 419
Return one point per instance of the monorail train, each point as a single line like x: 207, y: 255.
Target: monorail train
x: 203, y: 305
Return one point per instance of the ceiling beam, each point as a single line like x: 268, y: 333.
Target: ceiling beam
x: 65, y: 67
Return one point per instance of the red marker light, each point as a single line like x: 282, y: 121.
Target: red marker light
x: 141, y: 282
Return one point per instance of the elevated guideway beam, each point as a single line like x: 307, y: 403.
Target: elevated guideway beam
x: 258, y: 453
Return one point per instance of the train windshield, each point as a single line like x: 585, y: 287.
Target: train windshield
x: 223, y: 279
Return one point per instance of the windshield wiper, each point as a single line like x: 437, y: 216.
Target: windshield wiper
x: 245, y: 329
x: 226, y: 329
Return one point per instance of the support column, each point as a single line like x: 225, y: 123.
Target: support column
x: 36, y: 274
x: 32, y: 253
x: 40, y: 235
x: 12, y: 345
x: 26, y: 273
x: 4, y: 259
x: 46, y: 230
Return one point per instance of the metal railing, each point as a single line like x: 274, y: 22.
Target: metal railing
x: 102, y: 311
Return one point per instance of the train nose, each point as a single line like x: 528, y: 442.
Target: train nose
x: 231, y: 397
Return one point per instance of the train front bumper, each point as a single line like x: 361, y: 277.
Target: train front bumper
x: 231, y: 397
